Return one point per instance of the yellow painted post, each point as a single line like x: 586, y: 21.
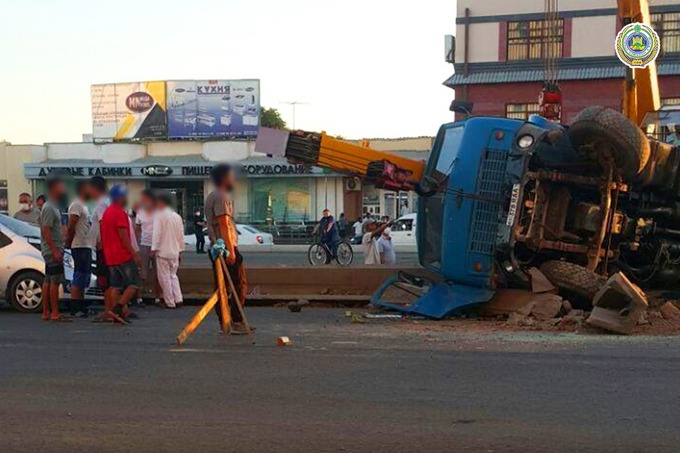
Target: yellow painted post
x: 198, y: 318
x: 222, y: 290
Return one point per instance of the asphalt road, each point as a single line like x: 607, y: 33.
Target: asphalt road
x: 378, y: 386
x: 192, y: 259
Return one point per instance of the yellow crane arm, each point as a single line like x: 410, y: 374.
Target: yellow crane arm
x: 641, y: 93
x: 385, y: 170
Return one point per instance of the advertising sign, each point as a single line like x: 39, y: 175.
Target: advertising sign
x: 124, y: 111
x: 209, y: 108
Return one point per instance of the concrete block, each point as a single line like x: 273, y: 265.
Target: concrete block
x: 618, y: 306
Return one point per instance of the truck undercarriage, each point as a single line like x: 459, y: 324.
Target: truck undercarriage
x: 603, y: 208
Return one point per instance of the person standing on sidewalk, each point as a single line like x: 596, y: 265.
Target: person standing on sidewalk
x: 52, y: 248
x: 219, y: 211
x: 98, y: 193
x: 27, y: 212
x: 388, y: 255
x: 79, y: 241
x: 121, y: 258
x: 167, y: 245
x: 370, y: 242
x: 144, y: 223
x: 199, y: 225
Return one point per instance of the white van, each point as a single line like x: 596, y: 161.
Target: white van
x: 404, y: 233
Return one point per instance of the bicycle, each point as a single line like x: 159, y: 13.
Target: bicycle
x: 319, y: 254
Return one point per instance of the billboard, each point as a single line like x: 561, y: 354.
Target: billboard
x: 213, y: 108
x: 124, y: 111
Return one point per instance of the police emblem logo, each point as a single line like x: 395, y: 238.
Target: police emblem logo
x: 637, y: 45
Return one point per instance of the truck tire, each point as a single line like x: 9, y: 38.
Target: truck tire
x: 598, y: 130
x: 573, y: 279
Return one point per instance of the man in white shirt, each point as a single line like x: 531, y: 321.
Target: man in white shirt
x: 98, y: 190
x: 167, y: 245
x: 144, y: 227
x: 405, y: 210
x: 79, y: 241
x: 358, y: 227
x: 369, y: 242
x: 386, y: 248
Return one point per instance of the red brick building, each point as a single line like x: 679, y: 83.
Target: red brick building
x: 501, y: 46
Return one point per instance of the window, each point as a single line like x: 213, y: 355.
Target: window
x: 521, y: 111
x: 665, y: 102
x: 667, y: 25
x: 403, y: 225
x: 535, y: 39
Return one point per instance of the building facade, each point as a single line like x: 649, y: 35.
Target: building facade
x: 272, y: 193
x: 500, y: 50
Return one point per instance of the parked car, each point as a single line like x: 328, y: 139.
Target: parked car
x: 247, y: 235
x: 404, y: 231
x: 23, y: 270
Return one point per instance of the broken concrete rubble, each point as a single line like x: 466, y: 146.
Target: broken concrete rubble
x: 539, y: 282
x: 618, y: 306
x: 523, y: 303
x: 670, y: 311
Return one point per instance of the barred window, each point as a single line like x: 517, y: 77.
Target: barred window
x: 520, y: 111
x: 667, y: 25
x: 670, y: 101
x: 535, y: 39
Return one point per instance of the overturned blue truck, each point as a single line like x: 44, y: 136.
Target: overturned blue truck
x: 499, y: 197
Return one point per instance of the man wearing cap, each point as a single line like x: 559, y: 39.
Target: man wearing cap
x: 121, y: 257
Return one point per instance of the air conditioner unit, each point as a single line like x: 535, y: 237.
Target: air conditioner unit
x: 352, y: 184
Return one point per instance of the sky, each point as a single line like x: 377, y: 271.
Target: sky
x: 363, y: 68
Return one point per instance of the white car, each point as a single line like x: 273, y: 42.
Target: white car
x: 247, y: 235
x: 404, y: 232
x: 23, y: 270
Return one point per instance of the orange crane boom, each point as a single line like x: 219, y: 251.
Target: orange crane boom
x: 641, y: 93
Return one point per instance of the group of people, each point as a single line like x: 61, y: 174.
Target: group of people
x: 124, y: 264
x: 376, y: 239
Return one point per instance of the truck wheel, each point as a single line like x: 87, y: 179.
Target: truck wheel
x: 25, y: 292
x: 573, y: 279
x: 599, y: 130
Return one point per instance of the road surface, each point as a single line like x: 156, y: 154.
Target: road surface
x: 378, y: 386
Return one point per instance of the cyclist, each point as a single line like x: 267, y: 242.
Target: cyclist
x: 330, y: 236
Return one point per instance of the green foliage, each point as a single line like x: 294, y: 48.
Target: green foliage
x: 271, y: 118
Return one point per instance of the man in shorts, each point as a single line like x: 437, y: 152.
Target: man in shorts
x: 78, y: 240
x: 120, y: 256
x: 52, y: 248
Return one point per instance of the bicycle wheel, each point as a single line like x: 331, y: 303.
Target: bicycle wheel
x: 318, y: 255
x: 345, y: 254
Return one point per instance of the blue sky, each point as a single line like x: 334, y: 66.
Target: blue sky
x: 370, y: 68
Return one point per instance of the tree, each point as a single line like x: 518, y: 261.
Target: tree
x: 271, y: 118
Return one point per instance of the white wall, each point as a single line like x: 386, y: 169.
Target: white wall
x: 593, y: 36
x: 503, y: 7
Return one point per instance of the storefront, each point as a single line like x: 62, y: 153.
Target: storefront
x: 270, y: 191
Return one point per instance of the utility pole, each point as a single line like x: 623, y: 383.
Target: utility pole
x: 294, y: 104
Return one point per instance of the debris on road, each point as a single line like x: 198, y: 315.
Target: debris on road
x: 539, y: 282
x: 618, y: 306
x: 669, y: 311
x: 296, y: 306
x: 283, y: 341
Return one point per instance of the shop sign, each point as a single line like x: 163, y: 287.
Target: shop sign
x: 278, y: 169
x: 156, y: 170
x: 88, y: 171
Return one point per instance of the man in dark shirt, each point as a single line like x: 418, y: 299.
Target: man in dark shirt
x: 329, y: 232
x: 199, y: 224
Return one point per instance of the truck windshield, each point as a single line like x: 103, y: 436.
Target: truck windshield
x: 442, y: 163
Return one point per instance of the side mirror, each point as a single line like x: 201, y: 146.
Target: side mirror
x: 462, y: 107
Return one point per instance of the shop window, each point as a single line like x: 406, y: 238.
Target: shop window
x: 667, y: 26
x: 4, y: 200
x: 521, y: 111
x: 281, y: 200
x: 535, y: 39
